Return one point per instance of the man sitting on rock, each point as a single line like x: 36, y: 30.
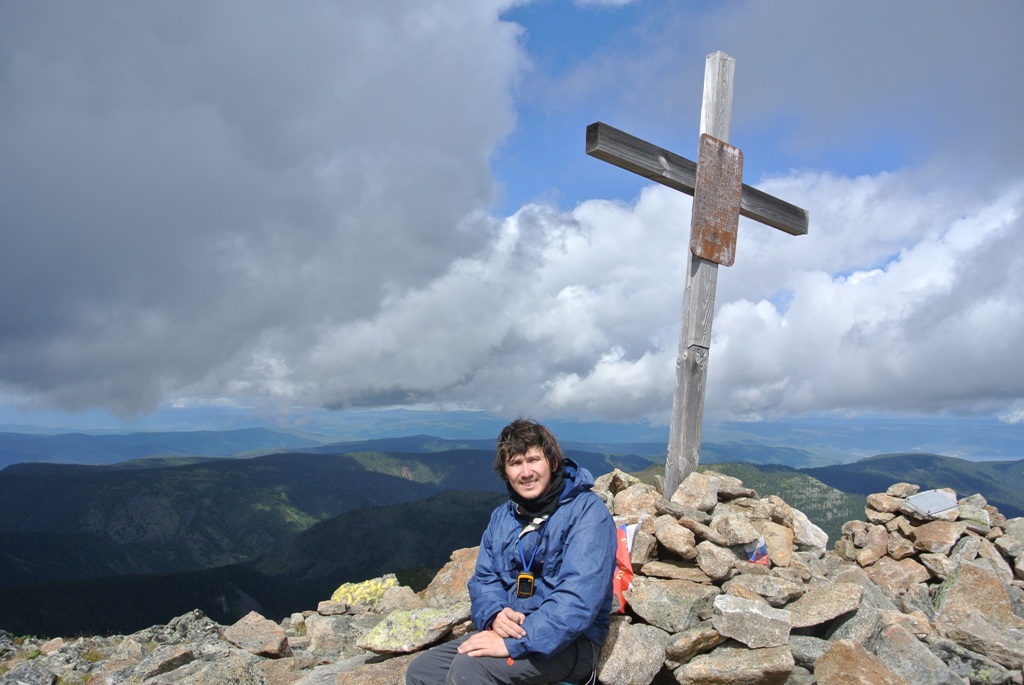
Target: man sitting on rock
x: 542, y: 591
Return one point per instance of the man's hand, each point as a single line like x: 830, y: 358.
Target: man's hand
x: 484, y: 643
x: 509, y: 623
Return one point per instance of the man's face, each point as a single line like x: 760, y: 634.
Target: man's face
x: 529, y: 474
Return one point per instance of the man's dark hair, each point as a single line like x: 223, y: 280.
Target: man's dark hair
x: 518, y: 437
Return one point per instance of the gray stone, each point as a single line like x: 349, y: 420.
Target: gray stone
x: 716, y: 562
x: 825, y: 602
x: 884, y: 503
x: 938, y: 537
x: 674, y: 570
x: 703, y: 532
x: 807, y: 536
x: 401, y: 598
x: 976, y: 518
x: 990, y: 557
x: 232, y: 669
x: 910, y: 658
x: 779, y: 511
x: 975, y: 667
x: 328, y: 674
x: 899, y: 547
x: 939, y: 565
x: 699, y: 639
x: 678, y: 511
x: 859, y: 626
x: 753, y: 623
x: 874, y: 596
x: 1014, y: 528
x: 1009, y: 546
x: 973, y: 591
x: 735, y: 529
x: 615, y: 482
x: 676, y: 538
x: 389, y: 672
x: 697, y: 491
x: 896, y: 576
x: 876, y: 546
x: 632, y: 655
x: 636, y: 500
x: 778, y: 539
x: 644, y: 549
x: 28, y: 673
x: 807, y: 649
x: 333, y: 637
x: 848, y: 663
x: 856, y: 532
x: 979, y: 634
x: 164, y: 660
x: 738, y: 666
x: 727, y: 493
x: 259, y: 635
x: 774, y: 590
x: 329, y: 607
x: 672, y: 605
x: 903, y: 490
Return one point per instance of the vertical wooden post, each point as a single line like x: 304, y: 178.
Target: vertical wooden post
x: 698, y: 300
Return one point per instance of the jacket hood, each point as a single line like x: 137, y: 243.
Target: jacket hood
x: 577, y: 479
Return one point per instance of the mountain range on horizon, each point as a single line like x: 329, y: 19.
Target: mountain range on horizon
x: 279, y: 528
x: 821, y: 440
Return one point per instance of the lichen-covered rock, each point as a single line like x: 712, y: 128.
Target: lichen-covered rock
x: 402, y: 632
x: 366, y: 593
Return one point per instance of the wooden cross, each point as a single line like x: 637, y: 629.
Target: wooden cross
x: 719, y: 198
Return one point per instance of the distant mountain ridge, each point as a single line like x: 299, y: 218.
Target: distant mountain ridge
x: 801, y: 442
x: 308, y: 511
x: 80, y: 448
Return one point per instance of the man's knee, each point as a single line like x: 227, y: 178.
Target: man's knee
x: 420, y: 672
x: 466, y: 669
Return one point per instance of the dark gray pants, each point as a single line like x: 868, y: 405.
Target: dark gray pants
x: 443, y: 665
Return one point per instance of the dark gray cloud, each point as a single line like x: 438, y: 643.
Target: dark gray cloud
x: 178, y: 183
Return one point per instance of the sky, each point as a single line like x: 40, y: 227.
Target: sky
x: 354, y: 204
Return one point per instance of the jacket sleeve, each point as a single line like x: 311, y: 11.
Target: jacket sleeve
x: 486, y: 591
x: 580, y: 587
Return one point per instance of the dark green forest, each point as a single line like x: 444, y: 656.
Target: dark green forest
x: 114, y: 549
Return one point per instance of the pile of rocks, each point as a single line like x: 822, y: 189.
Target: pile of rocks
x: 927, y: 590
x: 727, y: 587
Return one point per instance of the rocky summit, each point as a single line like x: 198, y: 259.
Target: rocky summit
x: 723, y: 587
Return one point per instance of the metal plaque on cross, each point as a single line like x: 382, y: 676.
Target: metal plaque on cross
x: 716, y: 201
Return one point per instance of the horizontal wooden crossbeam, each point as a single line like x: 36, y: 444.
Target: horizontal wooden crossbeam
x: 669, y: 169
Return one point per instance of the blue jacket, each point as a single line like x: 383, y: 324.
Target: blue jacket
x: 573, y: 570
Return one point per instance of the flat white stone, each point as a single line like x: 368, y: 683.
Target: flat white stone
x: 932, y: 502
